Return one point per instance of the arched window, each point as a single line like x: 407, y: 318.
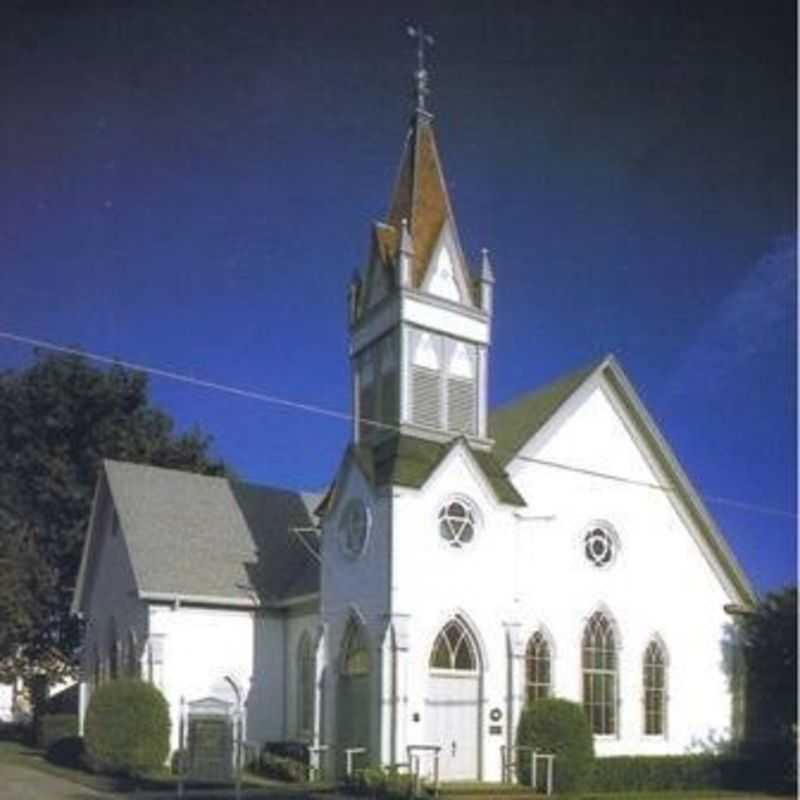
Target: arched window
x: 654, y: 681
x: 305, y: 688
x: 537, y: 668
x: 599, y: 657
x: 454, y: 648
x: 355, y: 653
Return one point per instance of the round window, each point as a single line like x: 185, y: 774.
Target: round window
x: 457, y: 523
x: 599, y: 547
x: 354, y: 527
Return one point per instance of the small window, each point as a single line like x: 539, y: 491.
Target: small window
x: 537, y: 668
x: 354, y: 527
x: 654, y: 681
x: 457, y: 522
x: 600, y: 546
x: 454, y: 649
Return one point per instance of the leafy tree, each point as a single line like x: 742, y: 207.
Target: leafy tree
x: 769, y: 637
x: 59, y: 418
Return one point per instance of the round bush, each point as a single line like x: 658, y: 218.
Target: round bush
x: 559, y: 727
x: 127, y: 727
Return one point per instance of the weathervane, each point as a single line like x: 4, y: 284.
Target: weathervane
x: 421, y: 89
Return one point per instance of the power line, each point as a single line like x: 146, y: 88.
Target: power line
x: 312, y: 408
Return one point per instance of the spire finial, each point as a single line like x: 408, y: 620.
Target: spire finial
x: 421, y: 90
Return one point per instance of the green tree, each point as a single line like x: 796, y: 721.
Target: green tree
x: 59, y: 418
x: 769, y: 638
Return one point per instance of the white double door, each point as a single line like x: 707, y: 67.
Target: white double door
x: 452, y: 721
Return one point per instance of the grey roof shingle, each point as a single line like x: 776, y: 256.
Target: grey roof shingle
x: 190, y: 534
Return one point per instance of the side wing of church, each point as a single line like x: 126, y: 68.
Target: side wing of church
x: 463, y: 563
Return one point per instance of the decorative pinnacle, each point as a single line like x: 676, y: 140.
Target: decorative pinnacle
x: 406, y: 244
x: 487, y: 273
x: 421, y: 90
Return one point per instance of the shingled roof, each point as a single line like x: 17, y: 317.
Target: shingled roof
x: 199, y: 536
x: 420, y: 194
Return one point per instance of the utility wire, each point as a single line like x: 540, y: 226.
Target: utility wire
x: 341, y: 415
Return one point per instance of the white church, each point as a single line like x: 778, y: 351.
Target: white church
x: 464, y: 561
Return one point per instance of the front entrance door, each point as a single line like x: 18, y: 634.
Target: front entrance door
x: 452, y: 714
x: 452, y: 705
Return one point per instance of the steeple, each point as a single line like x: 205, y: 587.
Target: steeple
x: 420, y: 326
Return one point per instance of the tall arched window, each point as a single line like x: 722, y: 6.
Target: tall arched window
x: 654, y: 681
x: 305, y: 688
x: 599, y: 661
x: 537, y: 668
x: 355, y: 653
x: 454, y: 648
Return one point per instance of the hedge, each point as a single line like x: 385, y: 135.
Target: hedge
x: 559, y: 727
x: 280, y: 768
x: 56, y: 726
x: 686, y: 772
x: 127, y: 727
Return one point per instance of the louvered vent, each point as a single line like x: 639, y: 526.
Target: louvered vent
x: 426, y: 397
x: 461, y: 405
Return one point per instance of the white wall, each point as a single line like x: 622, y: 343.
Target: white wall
x: 201, y: 647
x: 531, y: 570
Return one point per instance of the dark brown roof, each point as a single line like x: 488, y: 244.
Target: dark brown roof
x: 420, y: 194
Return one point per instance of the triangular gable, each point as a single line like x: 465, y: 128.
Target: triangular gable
x: 553, y: 405
x: 447, y: 275
x: 409, y: 461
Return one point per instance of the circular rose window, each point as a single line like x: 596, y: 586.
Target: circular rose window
x: 457, y: 523
x: 354, y: 527
x: 599, y: 547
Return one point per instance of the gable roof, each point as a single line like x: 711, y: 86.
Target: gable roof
x: 515, y: 424
x: 409, y: 461
x: 198, y: 536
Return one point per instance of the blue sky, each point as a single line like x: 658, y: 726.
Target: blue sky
x: 190, y: 186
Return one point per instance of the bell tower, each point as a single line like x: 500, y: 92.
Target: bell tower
x: 420, y: 318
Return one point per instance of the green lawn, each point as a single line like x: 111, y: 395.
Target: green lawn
x: 16, y: 753
x: 487, y: 791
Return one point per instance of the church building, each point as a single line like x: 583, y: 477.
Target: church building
x: 464, y: 561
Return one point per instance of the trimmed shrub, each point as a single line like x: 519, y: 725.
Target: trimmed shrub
x: 297, y: 751
x: 56, y: 726
x: 127, y: 727
x: 282, y: 769
x: 67, y: 751
x: 559, y: 727
x: 385, y: 784
x: 653, y: 773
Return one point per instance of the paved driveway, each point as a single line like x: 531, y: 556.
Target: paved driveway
x: 22, y: 783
